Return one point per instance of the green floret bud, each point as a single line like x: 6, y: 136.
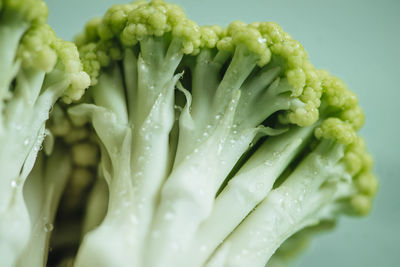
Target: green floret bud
x: 40, y: 49
x: 94, y: 56
x: 292, y: 51
x: 115, y: 20
x: 158, y: 18
x: 341, y: 101
x: 241, y: 34
x: 210, y: 35
x: 90, y: 61
x: 359, y: 163
x: 36, y: 50
x: 30, y: 10
x: 79, y: 80
x: 367, y: 183
x: 300, y: 73
x: 271, y: 47
x: 334, y: 128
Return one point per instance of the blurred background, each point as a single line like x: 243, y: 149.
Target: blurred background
x: 358, y: 41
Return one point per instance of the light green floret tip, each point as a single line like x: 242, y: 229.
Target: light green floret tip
x: 79, y: 80
x: 40, y: 49
x: 90, y: 61
x: 96, y: 55
x: 115, y: 19
x: 340, y: 98
x: 158, y: 18
x: 301, y: 74
x: 210, y: 36
x: 241, y: 34
x: 29, y: 10
x: 35, y: 49
x: 269, y: 43
x: 359, y: 164
x: 334, y: 128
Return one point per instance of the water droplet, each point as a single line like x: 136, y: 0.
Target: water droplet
x: 252, y: 188
x: 26, y: 142
x: 48, y: 227
x: 268, y: 163
x: 262, y: 40
x: 217, y: 117
x: 14, y: 184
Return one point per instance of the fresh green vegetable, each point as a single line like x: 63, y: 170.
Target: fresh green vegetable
x: 36, y: 69
x: 253, y: 146
x: 218, y: 146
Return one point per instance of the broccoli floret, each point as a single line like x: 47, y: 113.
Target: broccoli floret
x: 36, y: 69
x: 254, y: 144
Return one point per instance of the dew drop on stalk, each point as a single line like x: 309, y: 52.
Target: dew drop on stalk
x: 48, y: 227
x: 14, y: 184
x: 268, y: 163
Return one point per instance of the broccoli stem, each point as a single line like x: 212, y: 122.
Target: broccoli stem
x: 12, y: 27
x: 130, y: 68
x: 119, y: 227
x: 295, y: 204
x: 26, y: 114
x: 243, y: 62
x: 14, y: 227
x: 42, y: 193
x: 151, y: 112
x: 246, y: 189
x: 21, y: 142
x: 193, y: 183
x: 155, y: 105
x: 96, y: 208
x: 206, y: 79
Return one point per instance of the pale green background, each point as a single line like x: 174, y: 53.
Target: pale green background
x: 358, y: 41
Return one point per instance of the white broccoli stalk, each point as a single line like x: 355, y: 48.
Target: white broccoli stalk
x: 249, y: 121
x: 42, y: 192
x: 36, y: 69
